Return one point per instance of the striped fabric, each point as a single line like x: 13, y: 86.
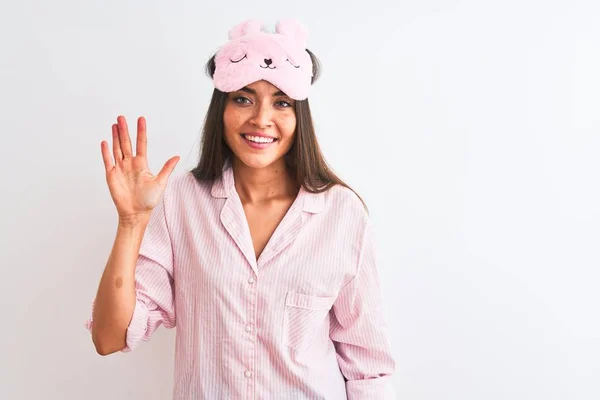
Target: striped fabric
x: 304, y: 321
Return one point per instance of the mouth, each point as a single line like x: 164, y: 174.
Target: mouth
x: 258, y: 142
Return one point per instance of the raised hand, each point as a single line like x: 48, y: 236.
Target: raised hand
x: 133, y: 188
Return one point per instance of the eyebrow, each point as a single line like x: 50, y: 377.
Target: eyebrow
x: 252, y: 91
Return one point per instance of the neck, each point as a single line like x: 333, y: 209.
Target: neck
x: 260, y: 185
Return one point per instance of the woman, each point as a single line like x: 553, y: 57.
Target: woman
x: 261, y: 256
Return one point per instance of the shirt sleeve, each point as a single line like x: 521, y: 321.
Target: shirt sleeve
x: 154, y: 288
x: 359, y: 332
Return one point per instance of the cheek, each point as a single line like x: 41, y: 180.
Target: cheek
x: 287, y: 126
x: 232, y: 120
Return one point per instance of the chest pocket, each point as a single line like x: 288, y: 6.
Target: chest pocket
x: 304, y: 319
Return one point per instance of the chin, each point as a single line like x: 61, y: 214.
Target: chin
x: 256, y: 161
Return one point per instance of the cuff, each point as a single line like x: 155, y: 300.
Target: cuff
x: 371, y: 389
x: 136, y: 331
x: 90, y: 320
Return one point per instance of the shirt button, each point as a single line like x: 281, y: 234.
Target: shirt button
x: 248, y: 328
x: 248, y: 374
x: 251, y: 280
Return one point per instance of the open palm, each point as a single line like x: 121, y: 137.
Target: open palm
x: 133, y: 188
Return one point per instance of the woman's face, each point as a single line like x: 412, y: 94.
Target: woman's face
x: 259, y: 123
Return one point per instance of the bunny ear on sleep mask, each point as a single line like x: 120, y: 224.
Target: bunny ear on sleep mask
x: 253, y: 54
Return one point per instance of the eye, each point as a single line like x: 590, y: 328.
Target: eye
x: 295, y: 66
x: 284, y: 102
x: 240, y: 100
x: 238, y: 60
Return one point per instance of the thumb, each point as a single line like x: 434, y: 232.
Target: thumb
x: 166, y: 170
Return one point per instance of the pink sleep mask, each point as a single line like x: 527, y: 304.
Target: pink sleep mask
x: 252, y: 54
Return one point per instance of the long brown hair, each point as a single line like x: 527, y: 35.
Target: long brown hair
x: 305, y: 160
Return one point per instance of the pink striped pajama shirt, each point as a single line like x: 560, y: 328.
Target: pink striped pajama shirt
x: 304, y: 321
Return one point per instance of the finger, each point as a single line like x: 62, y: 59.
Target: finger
x: 142, y: 139
x: 166, y: 170
x: 116, y: 145
x: 124, y: 137
x: 108, y: 165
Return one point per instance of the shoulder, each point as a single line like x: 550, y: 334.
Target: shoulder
x: 343, y: 207
x: 344, y: 199
x: 347, y: 216
x: 185, y: 180
x: 183, y: 188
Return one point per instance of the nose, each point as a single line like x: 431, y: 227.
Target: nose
x: 268, y: 61
x: 262, y: 116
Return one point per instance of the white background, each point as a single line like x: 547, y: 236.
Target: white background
x: 471, y: 128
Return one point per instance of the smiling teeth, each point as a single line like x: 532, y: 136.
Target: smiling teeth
x: 259, y: 139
